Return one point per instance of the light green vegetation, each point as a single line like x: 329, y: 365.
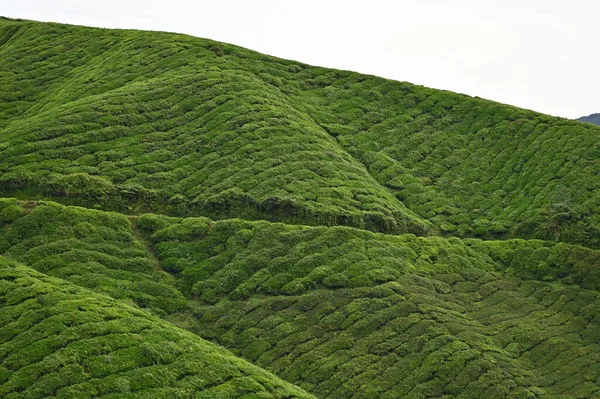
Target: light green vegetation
x: 354, y: 236
x: 58, y: 340
x: 93, y: 249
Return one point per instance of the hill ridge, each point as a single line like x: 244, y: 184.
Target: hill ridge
x: 593, y: 118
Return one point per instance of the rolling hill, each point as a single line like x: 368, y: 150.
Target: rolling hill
x: 185, y: 218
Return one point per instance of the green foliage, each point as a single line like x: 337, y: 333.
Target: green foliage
x: 347, y: 313
x: 81, y: 185
x: 470, y: 333
x: 178, y: 127
x: 252, y: 193
x: 93, y: 249
x: 545, y: 261
x: 236, y: 258
x: 58, y: 340
x: 192, y: 127
x: 474, y: 167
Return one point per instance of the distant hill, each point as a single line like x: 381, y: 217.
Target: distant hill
x: 593, y: 118
x: 330, y: 233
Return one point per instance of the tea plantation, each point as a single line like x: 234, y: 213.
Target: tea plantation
x: 346, y: 313
x: 59, y: 340
x: 183, y: 218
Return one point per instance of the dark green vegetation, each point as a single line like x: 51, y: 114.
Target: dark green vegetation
x: 353, y: 236
x: 593, y: 118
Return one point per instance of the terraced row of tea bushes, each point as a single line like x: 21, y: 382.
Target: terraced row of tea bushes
x: 544, y: 261
x: 104, y: 252
x: 58, y: 340
x: 205, y: 138
x: 237, y: 258
x: 92, y: 249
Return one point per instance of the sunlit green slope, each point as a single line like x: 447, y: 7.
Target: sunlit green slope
x: 58, y: 340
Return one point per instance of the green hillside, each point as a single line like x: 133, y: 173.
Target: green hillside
x: 339, y: 312
x: 186, y: 218
x: 345, y: 313
x: 57, y: 340
x: 172, y: 126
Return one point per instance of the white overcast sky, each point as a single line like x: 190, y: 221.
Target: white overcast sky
x: 537, y: 54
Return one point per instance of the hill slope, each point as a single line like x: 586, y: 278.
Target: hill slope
x: 340, y: 312
x: 344, y: 313
x: 132, y: 121
x: 57, y: 340
x: 93, y: 249
x: 354, y: 236
x: 173, y: 126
